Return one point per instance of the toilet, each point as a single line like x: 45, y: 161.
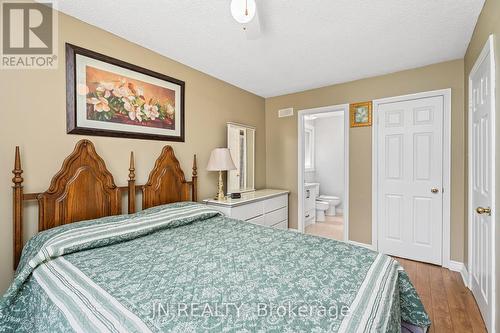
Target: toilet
x: 332, y: 201
x: 321, y: 208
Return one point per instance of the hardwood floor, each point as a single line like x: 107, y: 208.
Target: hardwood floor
x: 446, y: 299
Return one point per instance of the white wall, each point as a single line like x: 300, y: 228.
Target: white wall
x: 329, y: 145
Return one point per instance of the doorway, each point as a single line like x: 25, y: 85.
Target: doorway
x: 411, y: 176
x: 482, y: 183
x: 323, y: 171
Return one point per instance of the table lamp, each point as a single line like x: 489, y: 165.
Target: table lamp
x: 220, y: 160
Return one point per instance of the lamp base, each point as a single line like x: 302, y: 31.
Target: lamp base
x: 220, y: 189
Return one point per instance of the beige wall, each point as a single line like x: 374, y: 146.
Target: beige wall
x: 34, y: 117
x: 489, y: 23
x: 281, y: 141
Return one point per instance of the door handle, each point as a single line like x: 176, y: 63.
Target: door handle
x: 434, y: 190
x: 482, y: 210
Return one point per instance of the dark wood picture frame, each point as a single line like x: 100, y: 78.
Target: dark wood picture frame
x: 71, y: 98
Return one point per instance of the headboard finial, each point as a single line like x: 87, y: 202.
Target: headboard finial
x: 131, y: 185
x: 131, y: 175
x: 17, y: 196
x: 195, y: 167
x: 194, y: 180
x: 18, y: 179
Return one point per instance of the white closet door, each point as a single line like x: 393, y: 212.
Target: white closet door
x: 481, y: 187
x: 410, y: 177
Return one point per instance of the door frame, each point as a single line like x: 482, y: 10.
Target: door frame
x: 446, y: 94
x: 488, y: 49
x: 300, y: 165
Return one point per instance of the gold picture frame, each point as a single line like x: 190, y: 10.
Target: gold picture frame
x: 361, y: 114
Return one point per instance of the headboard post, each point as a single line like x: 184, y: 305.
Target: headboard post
x: 194, y: 188
x: 131, y: 185
x: 17, y: 195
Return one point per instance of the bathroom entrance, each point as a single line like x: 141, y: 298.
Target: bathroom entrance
x: 323, y: 169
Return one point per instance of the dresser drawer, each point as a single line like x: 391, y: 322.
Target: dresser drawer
x: 276, y: 216
x: 249, y: 211
x: 282, y: 225
x: 266, y: 207
x: 275, y: 203
x: 257, y: 220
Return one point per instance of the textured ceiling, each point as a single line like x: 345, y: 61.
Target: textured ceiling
x: 304, y: 44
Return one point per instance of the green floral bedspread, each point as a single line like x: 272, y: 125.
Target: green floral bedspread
x: 185, y: 268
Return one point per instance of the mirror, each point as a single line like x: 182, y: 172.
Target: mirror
x: 241, y: 144
x: 309, y: 148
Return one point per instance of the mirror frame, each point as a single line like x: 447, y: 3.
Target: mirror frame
x: 246, y: 127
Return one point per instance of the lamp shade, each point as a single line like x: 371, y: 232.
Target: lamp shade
x: 220, y: 160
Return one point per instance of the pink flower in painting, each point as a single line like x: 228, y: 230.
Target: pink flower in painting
x: 154, y: 112
x: 127, y: 105
x: 151, y: 111
x: 135, y: 113
x: 105, y: 88
x: 138, y: 114
x: 131, y: 115
x: 107, y: 85
x: 100, y: 104
x: 122, y: 91
x: 170, y: 111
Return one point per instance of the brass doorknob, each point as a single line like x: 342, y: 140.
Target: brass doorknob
x: 434, y: 190
x: 482, y: 210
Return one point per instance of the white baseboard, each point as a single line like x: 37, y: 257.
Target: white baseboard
x: 457, y: 266
x: 368, y: 246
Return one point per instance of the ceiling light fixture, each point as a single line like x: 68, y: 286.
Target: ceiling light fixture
x: 243, y: 11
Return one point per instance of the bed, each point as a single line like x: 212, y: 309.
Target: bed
x: 179, y: 266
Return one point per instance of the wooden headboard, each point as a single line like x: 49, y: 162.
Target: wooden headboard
x: 167, y: 174
x: 84, y: 189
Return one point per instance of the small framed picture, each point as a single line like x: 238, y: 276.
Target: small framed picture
x: 361, y: 114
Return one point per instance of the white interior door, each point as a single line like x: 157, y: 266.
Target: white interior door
x: 481, y: 161
x: 410, y: 178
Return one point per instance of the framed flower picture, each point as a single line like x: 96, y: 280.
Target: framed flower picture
x: 361, y: 114
x: 109, y: 97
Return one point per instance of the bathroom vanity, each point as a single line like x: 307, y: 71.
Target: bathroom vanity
x: 265, y: 207
x: 311, y: 192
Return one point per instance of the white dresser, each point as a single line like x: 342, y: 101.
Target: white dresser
x: 266, y: 207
